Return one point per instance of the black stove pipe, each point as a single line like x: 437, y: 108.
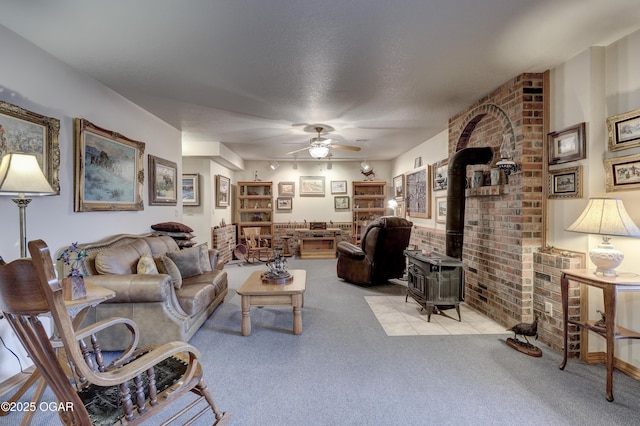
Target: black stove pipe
x: 456, y: 183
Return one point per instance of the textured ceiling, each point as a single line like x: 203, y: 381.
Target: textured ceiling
x: 251, y: 74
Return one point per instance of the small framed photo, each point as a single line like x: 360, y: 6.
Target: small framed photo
x: 284, y: 203
x: 163, y: 174
x: 441, y: 209
x: 338, y: 186
x: 440, y: 174
x: 312, y: 186
x: 622, y: 173
x: 567, y: 145
x: 190, y: 189
x: 565, y: 183
x: 417, y: 162
x: 398, y: 187
x: 286, y: 189
x: 400, y: 209
x: 341, y: 203
x: 223, y: 191
x: 624, y: 130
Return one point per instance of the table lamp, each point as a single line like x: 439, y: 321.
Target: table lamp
x: 21, y: 176
x: 606, y: 217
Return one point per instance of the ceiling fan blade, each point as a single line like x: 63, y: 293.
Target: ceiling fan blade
x: 350, y: 148
x: 298, y: 150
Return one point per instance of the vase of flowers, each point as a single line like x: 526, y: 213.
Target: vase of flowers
x: 73, y: 284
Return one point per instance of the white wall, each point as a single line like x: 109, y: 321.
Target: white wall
x: 40, y: 83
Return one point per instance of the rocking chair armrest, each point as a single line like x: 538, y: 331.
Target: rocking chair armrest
x: 136, y: 367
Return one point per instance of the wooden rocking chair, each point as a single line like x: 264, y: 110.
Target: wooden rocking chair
x: 257, y: 247
x: 129, y: 390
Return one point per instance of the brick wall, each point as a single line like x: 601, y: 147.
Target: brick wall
x: 223, y: 238
x: 503, y: 225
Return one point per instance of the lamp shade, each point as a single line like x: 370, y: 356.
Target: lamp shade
x: 605, y: 216
x: 21, y: 174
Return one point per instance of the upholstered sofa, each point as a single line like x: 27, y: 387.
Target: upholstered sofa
x: 380, y: 255
x: 168, y: 299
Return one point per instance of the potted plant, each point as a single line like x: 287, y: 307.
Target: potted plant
x: 73, y: 284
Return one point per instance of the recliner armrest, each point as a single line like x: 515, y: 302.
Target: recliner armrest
x: 214, y: 258
x: 350, y: 250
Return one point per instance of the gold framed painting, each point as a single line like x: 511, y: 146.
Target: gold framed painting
x: 31, y: 133
x: 441, y: 209
x: 109, y: 171
x: 418, y: 197
x: 624, y: 130
x: 565, y: 183
x: 312, y: 186
x: 223, y: 191
x: 622, y: 173
x: 190, y: 189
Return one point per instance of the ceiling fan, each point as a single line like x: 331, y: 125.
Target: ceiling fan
x: 319, y: 146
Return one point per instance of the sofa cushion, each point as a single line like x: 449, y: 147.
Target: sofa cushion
x: 205, y: 261
x: 166, y: 266
x: 187, y: 261
x: 171, y: 227
x: 196, y: 296
x: 123, y: 259
x: 146, y: 265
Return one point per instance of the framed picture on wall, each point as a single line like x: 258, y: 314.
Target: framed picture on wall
x: 400, y: 209
x: 312, y: 186
x: 223, y: 191
x: 109, y: 171
x: 341, y: 203
x: 440, y: 174
x: 441, y: 209
x: 398, y: 187
x: 191, y: 189
x: 622, y: 173
x: 565, y: 183
x: 27, y: 132
x: 418, y: 197
x: 284, y: 203
x: 624, y: 130
x: 286, y: 189
x: 567, y: 145
x: 163, y: 177
x: 338, y: 186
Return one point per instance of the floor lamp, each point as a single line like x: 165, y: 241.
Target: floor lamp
x: 21, y: 176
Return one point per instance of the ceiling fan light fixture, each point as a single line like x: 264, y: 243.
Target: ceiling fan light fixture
x: 318, y: 151
x: 364, y: 166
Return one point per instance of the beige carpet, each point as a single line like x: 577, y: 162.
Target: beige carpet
x: 400, y: 318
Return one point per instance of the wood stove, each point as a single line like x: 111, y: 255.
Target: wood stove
x: 435, y: 281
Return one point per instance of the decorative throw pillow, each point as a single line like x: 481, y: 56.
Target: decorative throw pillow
x: 187, y: 261
x: 171, y: 227
x: 166, y: 266
x: 146, y: 265
x: 205, y: 263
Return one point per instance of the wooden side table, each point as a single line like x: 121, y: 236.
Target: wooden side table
x: 611, y: 332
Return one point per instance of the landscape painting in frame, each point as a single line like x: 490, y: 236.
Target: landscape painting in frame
x: 163, y: 177
x: 190, y: 189
x: 622, y: 173
x: 31, y: 133
x: 624, y: 130
x: 565, y: 183
x: 312, y: 186
x: 109, y: 172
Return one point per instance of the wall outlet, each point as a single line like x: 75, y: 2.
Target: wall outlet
x: 548, y: 308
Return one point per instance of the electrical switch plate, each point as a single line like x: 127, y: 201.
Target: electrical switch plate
x: 548, y: 308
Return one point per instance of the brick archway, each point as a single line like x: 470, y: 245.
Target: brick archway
x: 475, y: 116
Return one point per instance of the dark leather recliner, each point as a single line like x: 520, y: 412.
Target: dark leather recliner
x: 380, y: 255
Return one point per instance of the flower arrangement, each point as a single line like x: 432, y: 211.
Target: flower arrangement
x: 72, y: 256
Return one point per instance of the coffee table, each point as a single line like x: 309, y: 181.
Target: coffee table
x: 255, y: 293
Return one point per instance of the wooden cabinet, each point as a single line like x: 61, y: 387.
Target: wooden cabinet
x: 255, y: 210
x: 368, y: 204
x: 318, y: 248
